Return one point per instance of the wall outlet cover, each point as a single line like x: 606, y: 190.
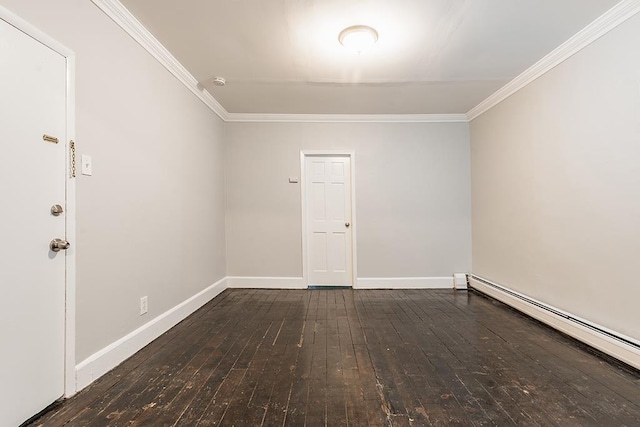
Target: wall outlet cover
x: 144, y: 305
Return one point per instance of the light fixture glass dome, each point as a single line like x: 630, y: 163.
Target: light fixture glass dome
x: 358, y: 38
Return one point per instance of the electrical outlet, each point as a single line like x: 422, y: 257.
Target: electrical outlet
x: 143, y: 305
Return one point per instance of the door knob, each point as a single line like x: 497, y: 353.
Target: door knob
x: 346, y: 224
x: 58, y: 245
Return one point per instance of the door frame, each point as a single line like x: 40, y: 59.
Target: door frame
x: 303, y: 193
x: 70, y: 191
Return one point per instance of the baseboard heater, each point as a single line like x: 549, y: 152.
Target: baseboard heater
x: 564, y: 315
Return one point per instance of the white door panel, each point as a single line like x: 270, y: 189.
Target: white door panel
x: 32, y: 179
x: 328, y: 201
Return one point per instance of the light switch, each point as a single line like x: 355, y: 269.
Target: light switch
x: 293, y: 180
x: 86, y: 165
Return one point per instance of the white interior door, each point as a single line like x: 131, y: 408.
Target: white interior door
x: 328, y: 210
x: 32, y: 180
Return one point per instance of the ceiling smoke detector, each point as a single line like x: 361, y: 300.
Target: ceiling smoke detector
x: 358, y: 38
x: 218, y: 81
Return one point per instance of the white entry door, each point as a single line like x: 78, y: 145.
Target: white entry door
x: 32, y: 180
x: 328, y: 209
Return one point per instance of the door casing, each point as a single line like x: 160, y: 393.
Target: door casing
x: 70, y: 190
x: 354, y: 223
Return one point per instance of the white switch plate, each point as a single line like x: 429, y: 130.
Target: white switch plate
x: 87, y: 168
x: 293, y: 179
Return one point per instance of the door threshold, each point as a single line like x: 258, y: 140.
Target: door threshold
x: 328, y: 287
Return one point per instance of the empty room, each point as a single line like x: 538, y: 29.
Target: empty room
x: 320, y: 212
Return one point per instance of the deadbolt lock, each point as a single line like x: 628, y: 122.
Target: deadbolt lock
x: 56, y: 210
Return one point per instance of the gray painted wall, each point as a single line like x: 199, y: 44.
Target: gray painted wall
x: 151, y: 218
x: 556, y: 185
x: 412, y: 196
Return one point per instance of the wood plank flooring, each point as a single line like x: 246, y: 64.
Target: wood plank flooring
x: 358, y: 358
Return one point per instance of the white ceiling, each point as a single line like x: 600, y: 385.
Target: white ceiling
x: 432, y: 56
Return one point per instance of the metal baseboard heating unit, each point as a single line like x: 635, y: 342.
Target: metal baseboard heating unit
x: 617, y: 345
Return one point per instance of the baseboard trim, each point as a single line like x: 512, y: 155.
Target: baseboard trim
x: 405, y: 283
x: 117, y: 352
x: 250, y: 282
x: 599, y: 337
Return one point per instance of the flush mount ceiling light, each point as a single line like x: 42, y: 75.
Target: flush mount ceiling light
x: 358, y: 38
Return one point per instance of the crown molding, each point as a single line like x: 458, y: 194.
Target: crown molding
x: 348, y: 118
x: 592, y: 32
x: 130, y: 24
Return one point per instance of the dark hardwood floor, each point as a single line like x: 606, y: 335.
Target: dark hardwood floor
x: 343, y: 357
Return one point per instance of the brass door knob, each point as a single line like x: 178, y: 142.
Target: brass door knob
x: 58, y: 245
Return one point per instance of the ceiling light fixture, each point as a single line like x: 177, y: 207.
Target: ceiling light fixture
x: 358, y: 38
